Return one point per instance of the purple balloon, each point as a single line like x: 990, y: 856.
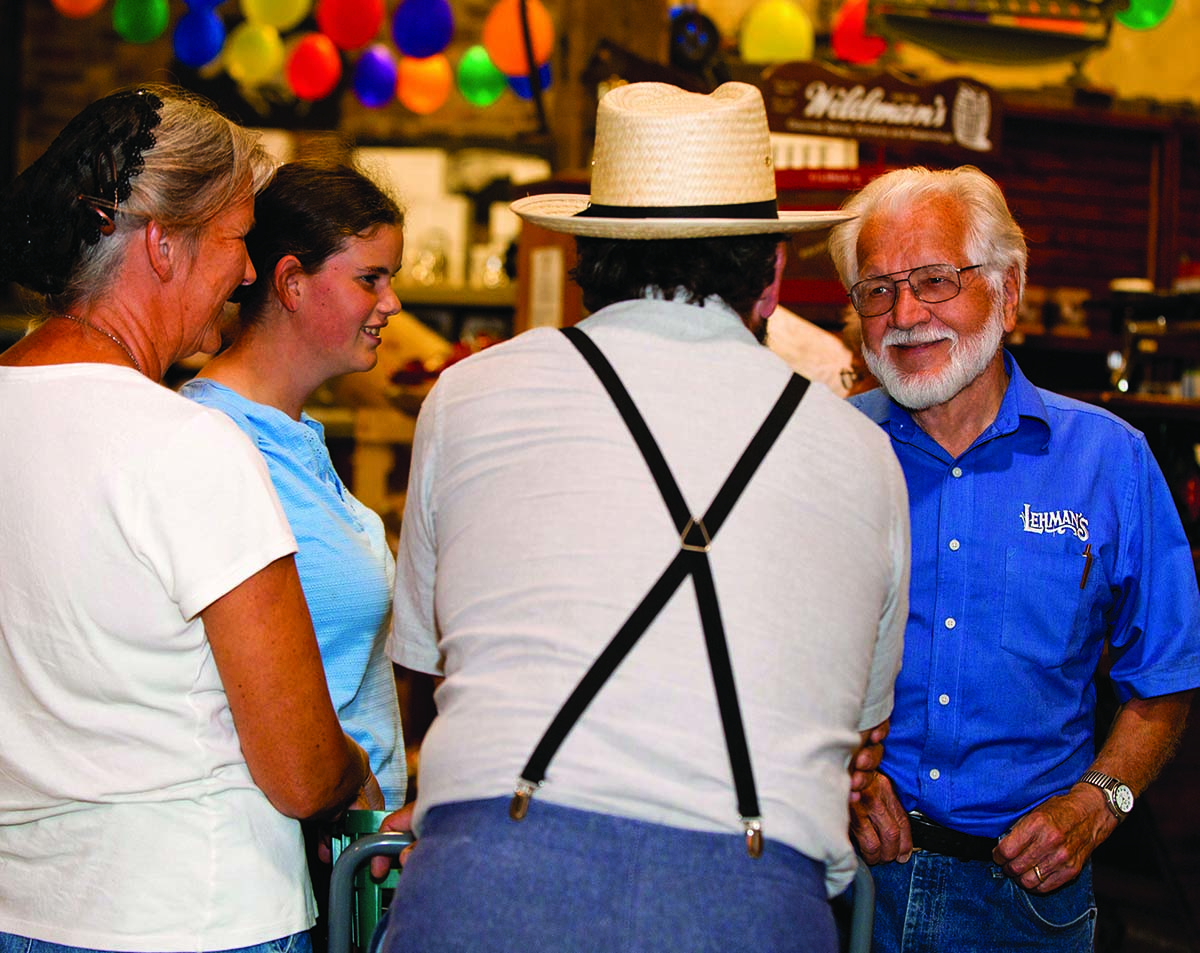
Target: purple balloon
x: 199, y: 36
x: 375, y: 77
x: 523, y: 88
x: 422, y: 28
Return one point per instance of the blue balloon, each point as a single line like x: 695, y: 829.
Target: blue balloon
x: 422, y: 28
x: 199, y: 36
x: 523, y: 88
x: 375, y: 77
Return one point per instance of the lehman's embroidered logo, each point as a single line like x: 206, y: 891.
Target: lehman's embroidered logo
x: 1055, y: 522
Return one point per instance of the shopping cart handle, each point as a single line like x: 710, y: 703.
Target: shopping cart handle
x: 341, y: 881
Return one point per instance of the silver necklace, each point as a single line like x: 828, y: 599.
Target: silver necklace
x: 108, y: 334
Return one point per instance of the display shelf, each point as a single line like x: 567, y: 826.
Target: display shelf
x: 456, y: 296
x: 457, y: 312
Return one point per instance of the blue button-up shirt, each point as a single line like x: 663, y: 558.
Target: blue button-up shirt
x: 1008, y: 615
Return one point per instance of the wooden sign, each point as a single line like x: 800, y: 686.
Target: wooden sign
x: 809, y: 98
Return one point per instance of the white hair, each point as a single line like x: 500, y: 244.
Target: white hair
x: 993, y: 237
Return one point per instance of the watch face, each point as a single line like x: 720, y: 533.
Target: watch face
x: 1124, y: 798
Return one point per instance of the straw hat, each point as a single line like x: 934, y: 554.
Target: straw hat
x: 674, y: 164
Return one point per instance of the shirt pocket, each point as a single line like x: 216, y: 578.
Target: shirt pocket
x: 1044, y: 605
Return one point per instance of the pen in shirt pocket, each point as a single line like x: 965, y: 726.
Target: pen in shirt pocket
x: 1087, y: 565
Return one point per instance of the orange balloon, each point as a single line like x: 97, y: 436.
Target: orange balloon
x: 504, y: 39
x: 422, y: 85
x: 77, y: 9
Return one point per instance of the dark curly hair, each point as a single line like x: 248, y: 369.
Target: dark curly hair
x: 310, y: 209
x: 736, y: 269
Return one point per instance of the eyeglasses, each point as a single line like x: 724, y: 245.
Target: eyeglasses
x: 931, y: 284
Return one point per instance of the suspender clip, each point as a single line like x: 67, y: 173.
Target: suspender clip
x: 699, y: 541
x: 754, y: 838
x: 518, y: 807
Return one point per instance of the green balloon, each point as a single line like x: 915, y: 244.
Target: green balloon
x: 140, y: 21
x: 480, y: 82
x: 1144, y: 14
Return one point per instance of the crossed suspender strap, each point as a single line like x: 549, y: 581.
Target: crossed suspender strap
x: 695, y: 538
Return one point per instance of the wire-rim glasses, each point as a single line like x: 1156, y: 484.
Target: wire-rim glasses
x: 931, y: 284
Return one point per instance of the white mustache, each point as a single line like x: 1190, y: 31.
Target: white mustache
x: 907, y: 337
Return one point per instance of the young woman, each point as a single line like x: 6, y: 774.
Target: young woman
x: 325, y: 245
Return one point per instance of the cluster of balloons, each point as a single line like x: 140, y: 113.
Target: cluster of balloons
x: 257, y: 52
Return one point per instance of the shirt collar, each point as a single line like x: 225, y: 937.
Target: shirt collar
x: 712, y: 319
x: 1022, y: 403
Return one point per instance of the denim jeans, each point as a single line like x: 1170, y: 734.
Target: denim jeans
x: 569, y: 881
x: 938, y: 904
x: 9, y: 943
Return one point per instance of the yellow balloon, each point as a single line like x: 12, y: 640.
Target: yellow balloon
x: 253, y: 53
x: 776, y: 31
x: 281, y: 14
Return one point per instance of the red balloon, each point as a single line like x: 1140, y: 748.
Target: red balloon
x: 350, y: 23
x: 849, y: 37
x: 314, y: 67
x: 77, y: 9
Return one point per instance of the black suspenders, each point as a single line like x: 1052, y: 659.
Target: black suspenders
x: 695, y: 538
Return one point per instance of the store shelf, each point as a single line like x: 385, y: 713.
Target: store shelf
x: 456, y: 296
x: 1140, y: 406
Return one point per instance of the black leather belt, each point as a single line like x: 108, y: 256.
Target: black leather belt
x: 936, y: 839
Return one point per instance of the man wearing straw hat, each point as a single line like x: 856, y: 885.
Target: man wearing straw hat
x: 654, y: 473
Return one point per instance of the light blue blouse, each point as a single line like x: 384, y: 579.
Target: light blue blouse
x: 346, y: 569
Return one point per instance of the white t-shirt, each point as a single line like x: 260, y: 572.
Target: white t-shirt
x: 128, y: 818
x: 533, y: 528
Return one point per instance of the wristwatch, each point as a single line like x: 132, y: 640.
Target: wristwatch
x: 1117, y: 795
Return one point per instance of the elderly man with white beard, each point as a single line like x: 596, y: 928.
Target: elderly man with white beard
x: 1045, y: 541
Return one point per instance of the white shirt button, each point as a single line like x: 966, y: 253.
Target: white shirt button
x: 935, y: 774
x: 956, y: 472
x: 954, y: 545
x: 943, y: 699
x: 950, y: 623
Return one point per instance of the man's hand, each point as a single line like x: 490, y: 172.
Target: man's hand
x: 867, y: 759
x: 400, y: 821
x: 1049, y: 846
x: 879, y: 824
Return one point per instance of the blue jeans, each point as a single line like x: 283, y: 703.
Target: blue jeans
x: 569, y: 881
x: 9, y: 943
x: 938, y: 904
